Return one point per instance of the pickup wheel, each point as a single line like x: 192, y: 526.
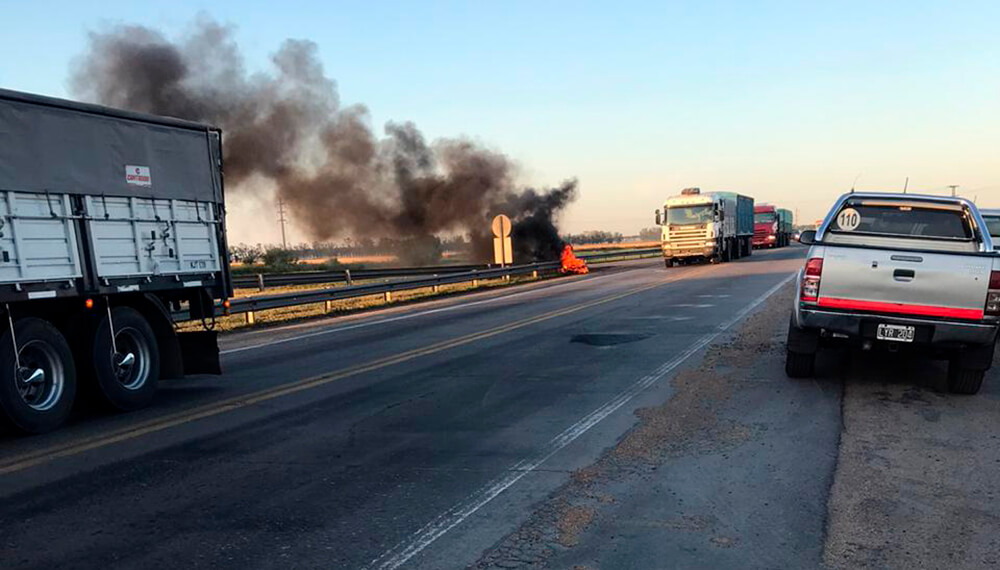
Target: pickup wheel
x: 963, y: 380
x: 125, y: 379
x: 799, y: 365
x: 38, y: 396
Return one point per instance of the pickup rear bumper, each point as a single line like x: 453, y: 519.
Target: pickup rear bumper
x: 930, y: 331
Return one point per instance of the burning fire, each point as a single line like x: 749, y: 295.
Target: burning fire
x: 571, y: 263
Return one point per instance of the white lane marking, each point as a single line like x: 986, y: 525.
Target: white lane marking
x: 713, y: 296
x: 424, y: 537
x: 364, y: 324
x: 693, y: 305
x: 661, y: 317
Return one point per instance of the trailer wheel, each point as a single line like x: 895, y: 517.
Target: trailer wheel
x: 668, y: 263
x: 37, y: 397
x: 122, y: 382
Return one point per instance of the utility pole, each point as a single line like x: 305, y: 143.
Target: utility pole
x: 282, y: 220
x: 953, y: 188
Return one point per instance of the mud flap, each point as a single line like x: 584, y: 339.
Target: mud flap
x: 200, y: 352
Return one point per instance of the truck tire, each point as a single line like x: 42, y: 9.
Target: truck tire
x: 44, y: 403
x: 130, y: 386
x: 962, y: 380
x: 668, y: 263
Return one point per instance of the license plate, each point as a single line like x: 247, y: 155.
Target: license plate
x: 897, y: 333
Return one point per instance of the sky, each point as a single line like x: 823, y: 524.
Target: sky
x: 788, y: 102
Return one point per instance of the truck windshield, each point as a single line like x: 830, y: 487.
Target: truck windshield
x: 763, y: 217
x: 903, y: 221
x: 699, y: 214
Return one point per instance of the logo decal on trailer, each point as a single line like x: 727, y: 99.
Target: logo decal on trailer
x: 138, y: 175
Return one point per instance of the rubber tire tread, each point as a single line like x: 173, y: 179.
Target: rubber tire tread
x: 13, y: 410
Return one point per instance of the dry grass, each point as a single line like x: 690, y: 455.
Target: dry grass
x: 346, y: 306
x: 611, y: 246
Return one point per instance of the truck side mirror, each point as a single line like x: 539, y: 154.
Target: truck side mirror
x: 658, y: 217
x: 807, y: 237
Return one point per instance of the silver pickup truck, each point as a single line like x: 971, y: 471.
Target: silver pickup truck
x: 900, y: 271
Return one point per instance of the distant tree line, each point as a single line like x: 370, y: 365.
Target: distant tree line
x: 422, y: 250
x: 594, y: 236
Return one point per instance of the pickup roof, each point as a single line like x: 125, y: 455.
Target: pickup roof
x: 900, y: 271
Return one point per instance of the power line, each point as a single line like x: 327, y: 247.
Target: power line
x: 282, y: 220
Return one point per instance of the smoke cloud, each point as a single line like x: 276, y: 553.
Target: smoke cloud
x: 288, y: 129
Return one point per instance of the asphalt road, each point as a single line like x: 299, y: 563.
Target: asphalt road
x: 634, y: 418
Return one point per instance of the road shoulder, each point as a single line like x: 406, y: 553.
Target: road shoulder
x: 732, y: 471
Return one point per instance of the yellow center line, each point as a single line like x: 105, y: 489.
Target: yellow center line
x: 31, y: 459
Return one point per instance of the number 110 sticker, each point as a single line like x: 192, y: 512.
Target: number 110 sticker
x: 848, y: 219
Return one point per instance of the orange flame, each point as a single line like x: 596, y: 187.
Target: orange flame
x: 571, y: 263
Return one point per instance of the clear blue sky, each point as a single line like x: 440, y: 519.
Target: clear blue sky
x: 787, y: 101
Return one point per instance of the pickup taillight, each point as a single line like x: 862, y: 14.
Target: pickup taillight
x: 810, y: 280
x: 993, y: 295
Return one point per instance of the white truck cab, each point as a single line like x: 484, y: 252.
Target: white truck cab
x: 713, y: 226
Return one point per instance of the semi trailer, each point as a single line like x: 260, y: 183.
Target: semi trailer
x: 773, y: 226
x: 713, y: 226
x: 110, y: 221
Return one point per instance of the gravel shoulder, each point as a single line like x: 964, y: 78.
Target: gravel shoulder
x: 916, y: 484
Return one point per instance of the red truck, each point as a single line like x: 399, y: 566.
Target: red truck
x: 772, y: 226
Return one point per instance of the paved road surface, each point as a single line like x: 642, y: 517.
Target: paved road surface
x: 635, y: 418
x: 403, y: 421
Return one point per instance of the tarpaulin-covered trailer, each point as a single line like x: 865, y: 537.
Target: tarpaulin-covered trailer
x: 107, y: 220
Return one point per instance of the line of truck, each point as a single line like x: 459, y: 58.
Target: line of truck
x: 718, y: 226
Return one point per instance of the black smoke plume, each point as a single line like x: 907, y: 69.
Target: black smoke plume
x: 288, y: 128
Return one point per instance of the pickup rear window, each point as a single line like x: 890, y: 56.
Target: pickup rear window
x: 903, y: 221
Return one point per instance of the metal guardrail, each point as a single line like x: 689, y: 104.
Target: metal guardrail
x: 264, y: 280
x: 248, y: 305
x: 261, y: 281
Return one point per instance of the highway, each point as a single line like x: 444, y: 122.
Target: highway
x: 633, y: 418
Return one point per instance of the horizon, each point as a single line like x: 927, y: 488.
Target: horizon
x: 791, y: 105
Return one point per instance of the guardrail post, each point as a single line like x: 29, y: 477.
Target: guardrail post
x: 250, y: 318
x: 435, y: 288
x: 534, y: 274
x: 260, y: 281
x: 388, y: 296
x: 347, y: 276
x: 328, y: 306
x: 475, y: 283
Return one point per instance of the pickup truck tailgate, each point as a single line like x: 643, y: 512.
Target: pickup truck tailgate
x: 900, y: 282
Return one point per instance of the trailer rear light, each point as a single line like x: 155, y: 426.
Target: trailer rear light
x: 810, y: 280
x: 89, y: 303
x: 993, y: 295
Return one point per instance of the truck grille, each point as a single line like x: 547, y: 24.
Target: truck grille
x: 687, y: 237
